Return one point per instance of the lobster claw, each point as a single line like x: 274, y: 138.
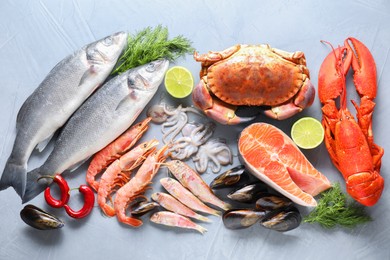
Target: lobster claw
x: 364, y: 68
x: 332, y: 74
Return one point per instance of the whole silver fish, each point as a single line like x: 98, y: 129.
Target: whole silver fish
x: 101, y: 119
x: 59, y: 95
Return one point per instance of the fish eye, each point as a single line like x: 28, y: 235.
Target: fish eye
x: 107, y: 41
x: 131, y: 81
x: 151, y: 67
x: 90, y: 53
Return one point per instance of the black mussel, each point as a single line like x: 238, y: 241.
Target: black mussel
x: 248, y: 193
x: 241, y: 218
x: 283, y: 219
x: 271, y: 202
x: 142, y: 207
x: 40, y: 219
x: 231, y: 177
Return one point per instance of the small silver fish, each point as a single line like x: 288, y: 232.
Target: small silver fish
x: 191, y: 180
x: 59, y: 95
x: 170, y: 203
x: 100, y: 120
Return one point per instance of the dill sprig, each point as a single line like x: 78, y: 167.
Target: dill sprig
x: 335, y: 209
x: 149, y: 45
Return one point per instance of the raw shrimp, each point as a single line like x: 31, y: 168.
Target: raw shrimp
x: 137, y: 185
x: 118, y: 173
x: 114, y: 150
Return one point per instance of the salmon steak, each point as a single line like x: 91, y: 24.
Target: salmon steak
x: 270, y: 155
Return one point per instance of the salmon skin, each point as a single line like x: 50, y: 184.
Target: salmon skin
x: 270, y: 155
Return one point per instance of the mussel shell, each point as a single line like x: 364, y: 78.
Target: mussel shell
x: 282, y: 220
x: 231, y: 177
x: 271, y: 202
x: 40, y: 219
x: 142, y: 207
x: 248, y: 193
x: 241, y: 218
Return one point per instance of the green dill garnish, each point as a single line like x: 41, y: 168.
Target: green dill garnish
x: 149, y: 45
x: 335, y: 209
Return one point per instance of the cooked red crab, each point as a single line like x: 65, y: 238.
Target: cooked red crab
x: 252, y: 75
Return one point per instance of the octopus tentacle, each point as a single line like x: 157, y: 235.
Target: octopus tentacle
x: 216, y: 151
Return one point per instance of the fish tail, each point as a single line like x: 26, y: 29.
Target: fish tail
x: 14, y: 175
x: 33, y: 186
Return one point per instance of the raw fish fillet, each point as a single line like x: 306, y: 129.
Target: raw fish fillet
x: 270, y: 155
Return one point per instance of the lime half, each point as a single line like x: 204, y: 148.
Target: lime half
x: 179, y: 82
x: 307, y: 133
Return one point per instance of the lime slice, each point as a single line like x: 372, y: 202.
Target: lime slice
x: 307, y: 133
x: 179, y: 82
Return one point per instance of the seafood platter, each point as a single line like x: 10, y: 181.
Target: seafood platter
x: 143, y: 136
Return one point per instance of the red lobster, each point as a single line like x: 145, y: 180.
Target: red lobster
x: 351, y: 144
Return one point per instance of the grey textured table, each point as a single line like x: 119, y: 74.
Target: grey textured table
x: 35, y: 35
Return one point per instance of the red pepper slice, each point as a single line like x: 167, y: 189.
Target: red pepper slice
x: 89, y: 201
x: 64, y: 188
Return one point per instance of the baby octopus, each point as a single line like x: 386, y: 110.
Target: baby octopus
x: 194, y: 135
x: 216, y: 151
x: 173, y: 119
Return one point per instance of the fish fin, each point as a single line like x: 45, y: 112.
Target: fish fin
x: 22, y: 111
x: 33, y: 186
x: 77, y: 165
x: 14, y: 175
x: 91, y: 72
x: 42, y: 145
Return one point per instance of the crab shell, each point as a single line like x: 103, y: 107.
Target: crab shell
x: 252, y: 75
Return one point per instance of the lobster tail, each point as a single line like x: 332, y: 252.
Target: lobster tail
x: 365, y: 187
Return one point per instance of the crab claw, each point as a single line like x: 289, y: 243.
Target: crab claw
x: 303, y: 99
x: 214, y: 108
